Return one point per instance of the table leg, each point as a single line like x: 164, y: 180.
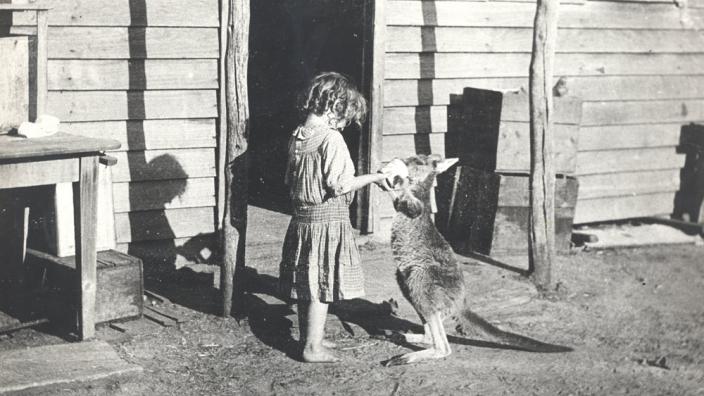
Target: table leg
x: 85, y: 235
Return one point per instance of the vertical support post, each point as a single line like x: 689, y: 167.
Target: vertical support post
x: 222, y: 113
x: 237, y: 104
x: 373, y: 139
x: 542, y: 171
x: 42, y: 59
x: 86, y: 219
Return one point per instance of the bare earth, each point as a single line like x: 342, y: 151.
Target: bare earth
x: 621, y: 310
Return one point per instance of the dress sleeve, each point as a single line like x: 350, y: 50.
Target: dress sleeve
x: 338, y: 168
x: 290, y: 159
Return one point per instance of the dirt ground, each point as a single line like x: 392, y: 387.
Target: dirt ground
x: 635, y: 318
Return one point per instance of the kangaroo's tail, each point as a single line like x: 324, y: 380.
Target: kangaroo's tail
x: 512, y: 339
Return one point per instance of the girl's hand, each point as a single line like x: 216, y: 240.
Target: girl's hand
x: 383, y: 182
x: 394, y: 168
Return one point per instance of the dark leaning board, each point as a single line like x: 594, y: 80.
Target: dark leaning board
x: 120, y: 283
x: 488, y: 212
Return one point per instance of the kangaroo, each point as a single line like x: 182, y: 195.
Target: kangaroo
x: 428, y: 272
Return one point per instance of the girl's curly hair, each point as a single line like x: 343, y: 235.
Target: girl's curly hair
x: 335, y: 92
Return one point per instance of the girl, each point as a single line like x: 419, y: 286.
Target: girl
x: 320, y: 262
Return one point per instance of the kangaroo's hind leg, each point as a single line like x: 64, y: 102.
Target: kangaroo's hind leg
x: 415, y: 338
x: 440, y: 348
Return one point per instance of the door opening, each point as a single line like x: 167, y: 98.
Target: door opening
x: 290, y: 43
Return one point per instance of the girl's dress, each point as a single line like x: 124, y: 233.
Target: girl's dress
x: 320, y: 260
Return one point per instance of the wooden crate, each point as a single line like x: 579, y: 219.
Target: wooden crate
x: 14, y: 82
x: 488, y: 212
x: 490, y: 130
x: 120, y: 283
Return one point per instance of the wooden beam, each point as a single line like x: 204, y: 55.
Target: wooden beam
x: 374, y: 141
x: 42, y: 61
x: 237, y: 104
x: 542, y: 173
x: 221, y: 151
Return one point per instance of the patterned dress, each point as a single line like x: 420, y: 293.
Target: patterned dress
x: 320, y: 260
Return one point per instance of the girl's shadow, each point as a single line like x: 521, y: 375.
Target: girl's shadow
x: 269, y: 321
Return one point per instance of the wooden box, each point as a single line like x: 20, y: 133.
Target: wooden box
x: 488, y: 212
x: 491, y: 131
x: 14, y: 82
x: 120, y: 283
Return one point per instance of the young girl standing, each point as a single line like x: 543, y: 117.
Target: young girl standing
x: 320, y: 261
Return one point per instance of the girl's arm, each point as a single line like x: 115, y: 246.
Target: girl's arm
x: 358, y: 182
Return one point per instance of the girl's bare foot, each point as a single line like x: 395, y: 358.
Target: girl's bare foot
x: 330, y: 344
x: 326, y: 343
x: 319, y: 355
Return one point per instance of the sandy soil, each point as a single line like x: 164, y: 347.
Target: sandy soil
x: 634, y: 317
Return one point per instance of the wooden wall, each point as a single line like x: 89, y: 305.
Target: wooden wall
x: 144, y: 72
x: 638, y: 66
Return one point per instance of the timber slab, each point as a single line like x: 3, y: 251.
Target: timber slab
x: 25, y: 370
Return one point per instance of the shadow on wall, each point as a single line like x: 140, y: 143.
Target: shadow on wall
x: 148, y: 221
x: 689, y: 200
x: 423, y: 118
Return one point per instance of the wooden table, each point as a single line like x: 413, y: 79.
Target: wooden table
x: 55, y: 159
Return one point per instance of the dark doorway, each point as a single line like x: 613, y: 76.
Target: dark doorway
x: 291, y: 42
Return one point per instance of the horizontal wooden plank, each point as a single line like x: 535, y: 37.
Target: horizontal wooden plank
x: 588, y: 88
x: 491, y: 39
x: 628, y: 183
x: 127, y: 13
x: 176, y: 252
x: 164, y: 194
x: 590, y: 15
x: 95, y: 75
x: 615, y: 208
x: 512, y: 151
x: 129, y: 43
x: 163, y: 164
x: 425, y: 119
x: 402, y: 146
x: 132, y: 105
x: 613, y: 161
x: 589, y: 210
x: 628, y: 136
x: 44, y: 368
x: 636, y: 112
x: 37, y: 173
x: 163, y: 224
x: 484, y: 65
x: 409, y: 120
x: 149, y: 134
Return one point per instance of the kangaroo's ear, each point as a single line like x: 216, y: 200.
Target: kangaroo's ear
x: 443, y: 165
x: 408, y: 204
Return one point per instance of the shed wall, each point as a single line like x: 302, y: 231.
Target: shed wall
x: 638, y: 66
x: 144, y: 72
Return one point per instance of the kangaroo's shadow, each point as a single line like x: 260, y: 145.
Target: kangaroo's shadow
x: 269, y: 321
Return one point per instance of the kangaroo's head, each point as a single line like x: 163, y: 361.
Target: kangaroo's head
x: 415, y: 193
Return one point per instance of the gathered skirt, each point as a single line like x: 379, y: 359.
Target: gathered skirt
x: 320, y: 260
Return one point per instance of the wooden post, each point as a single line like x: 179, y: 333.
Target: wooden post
x: 42, y: 60
x: 371, y: 157
x: 237, y: 110
x: 542, y: 171
x: 86, y: 255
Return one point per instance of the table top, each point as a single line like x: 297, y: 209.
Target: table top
x: 24, y: 7
x: 59, y: 144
